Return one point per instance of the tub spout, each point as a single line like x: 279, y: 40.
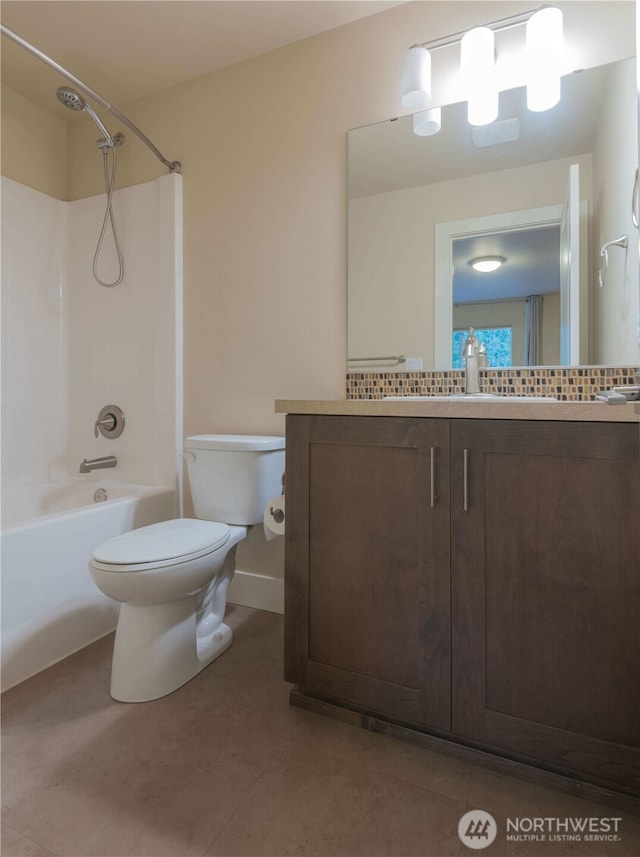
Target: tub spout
x: 98, y: 463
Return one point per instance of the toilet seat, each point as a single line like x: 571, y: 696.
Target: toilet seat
x: 164, y: 544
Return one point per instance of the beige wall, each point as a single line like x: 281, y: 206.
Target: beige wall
x: 34, y: 145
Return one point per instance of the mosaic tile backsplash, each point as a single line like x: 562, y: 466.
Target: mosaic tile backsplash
x: 568, y: 384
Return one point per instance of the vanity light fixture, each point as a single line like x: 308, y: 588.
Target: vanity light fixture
x: 543, y: 53
x: 487, y: 264
x: 543, y: 57
x: 416, y: 78
x: 478, y: 73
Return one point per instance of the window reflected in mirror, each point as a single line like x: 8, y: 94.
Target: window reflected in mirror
x: 496, y: 340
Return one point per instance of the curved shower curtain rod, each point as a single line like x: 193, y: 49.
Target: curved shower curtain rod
x: 173, y: 166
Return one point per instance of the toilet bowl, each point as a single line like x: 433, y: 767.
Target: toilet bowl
x: 171, y: 578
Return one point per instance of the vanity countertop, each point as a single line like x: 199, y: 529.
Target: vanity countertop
x: 565, y: 411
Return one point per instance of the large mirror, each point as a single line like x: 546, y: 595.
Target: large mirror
x: 422, y: 209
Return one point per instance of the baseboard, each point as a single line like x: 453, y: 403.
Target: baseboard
x: 257, y: 590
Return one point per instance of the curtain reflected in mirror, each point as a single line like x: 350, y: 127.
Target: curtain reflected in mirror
x: 532, y: 331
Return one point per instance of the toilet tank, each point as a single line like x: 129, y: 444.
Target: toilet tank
x: 233, y: 476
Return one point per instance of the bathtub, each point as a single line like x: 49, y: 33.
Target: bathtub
x: 50, y: 605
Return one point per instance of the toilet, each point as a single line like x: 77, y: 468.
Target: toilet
x: 172, y: 577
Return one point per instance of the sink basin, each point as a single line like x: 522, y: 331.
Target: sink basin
x: 471, y: 397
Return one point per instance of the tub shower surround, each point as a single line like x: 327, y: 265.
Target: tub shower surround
x: 70, y: 347
x: 570, y: 384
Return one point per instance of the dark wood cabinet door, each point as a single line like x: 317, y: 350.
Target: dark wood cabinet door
x: 367, y: 571
x: 546, y: 594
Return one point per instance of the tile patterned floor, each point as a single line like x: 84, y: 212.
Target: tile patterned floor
x: 225, y: 767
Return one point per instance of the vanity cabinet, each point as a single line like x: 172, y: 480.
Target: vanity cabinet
x: 367, y: 582
x: 546, y: 594
x: 475, y: 580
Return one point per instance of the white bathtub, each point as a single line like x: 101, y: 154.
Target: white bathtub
x: 50, y: 605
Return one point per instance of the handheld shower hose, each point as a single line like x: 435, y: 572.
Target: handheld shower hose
x: 71, y: 99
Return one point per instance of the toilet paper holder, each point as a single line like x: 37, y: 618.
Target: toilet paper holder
x: 276, y: 514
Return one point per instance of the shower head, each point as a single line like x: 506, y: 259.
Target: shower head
x: 74, y: 101
x: 70, y: 98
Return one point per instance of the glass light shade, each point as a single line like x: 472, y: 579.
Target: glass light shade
x: 427, y: 122
x: 487, y: 264
x: 478, y: 72
x: 544, y: 41
x: 416, y: 78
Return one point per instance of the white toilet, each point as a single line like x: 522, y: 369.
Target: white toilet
x: 172, y: 577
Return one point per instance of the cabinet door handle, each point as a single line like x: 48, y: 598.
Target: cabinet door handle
x: 465, y: 488
x: 434, y: 499
x: 635, y: 198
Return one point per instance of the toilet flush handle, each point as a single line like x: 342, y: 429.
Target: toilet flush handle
x: 190, y: 455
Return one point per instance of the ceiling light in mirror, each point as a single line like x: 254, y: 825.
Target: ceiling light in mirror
x: 487, y: 264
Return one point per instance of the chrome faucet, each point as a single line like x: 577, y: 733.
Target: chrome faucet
x: 98, y: 463
x: 471, y: 363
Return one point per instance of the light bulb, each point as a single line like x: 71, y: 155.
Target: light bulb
x: 416, y: 78
x: 427, y: 122
x: 478, y: 72
x: 487, y: 264
x: 544, y: 58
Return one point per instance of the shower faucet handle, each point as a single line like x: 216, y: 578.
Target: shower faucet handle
x: 110, y: 422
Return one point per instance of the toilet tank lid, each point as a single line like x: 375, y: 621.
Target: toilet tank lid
x: 235, y: 442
